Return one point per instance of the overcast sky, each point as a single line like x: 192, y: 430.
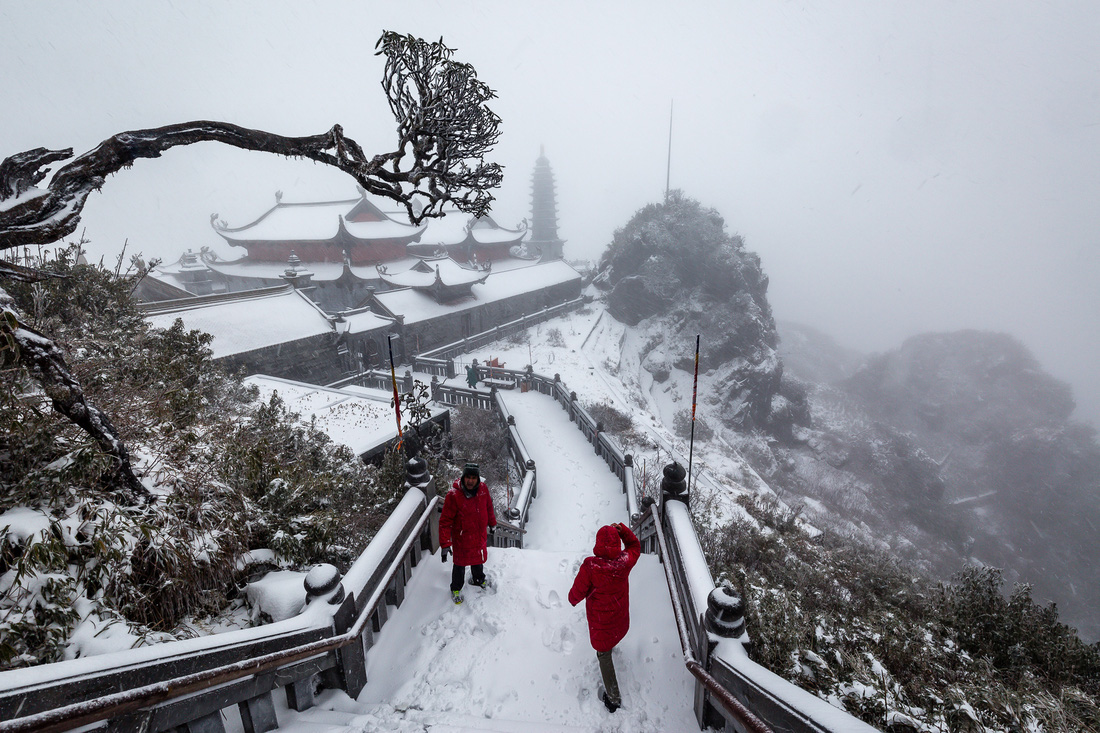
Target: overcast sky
x: 899, y: 167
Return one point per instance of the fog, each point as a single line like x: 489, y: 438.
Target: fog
x: 899, y: 167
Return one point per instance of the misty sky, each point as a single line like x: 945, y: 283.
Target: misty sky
x: 899, y: 167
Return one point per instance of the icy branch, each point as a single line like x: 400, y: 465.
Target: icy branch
x: 444, y: 132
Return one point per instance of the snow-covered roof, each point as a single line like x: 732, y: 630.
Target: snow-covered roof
x: 381, y: 229
x: 322, y: 271
x: 424, y: 272
x: 455, y: 228
x: 360, y: 418
x: 417, y: 306
x: 362, y: 322
x: 243, y: 322
x: 316, y: 222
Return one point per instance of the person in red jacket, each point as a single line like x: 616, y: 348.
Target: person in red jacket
x: 465, y: 525
x: 604, y: 581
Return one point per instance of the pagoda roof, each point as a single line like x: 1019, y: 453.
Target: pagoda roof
x: 429, y: 272
x: 322, y: 271
x: 361, y: 320
x: 456, y: 228
x: 318, y: 221
x: 242, y: 322
x: 416, y: 305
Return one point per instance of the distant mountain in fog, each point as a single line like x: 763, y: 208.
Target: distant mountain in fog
x: 960, y: 448
x: 813, y: 356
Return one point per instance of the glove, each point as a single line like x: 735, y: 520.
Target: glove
x: 443, y: 553
x: 492, y: 532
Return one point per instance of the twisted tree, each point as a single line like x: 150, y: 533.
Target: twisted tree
x: 444, y: 132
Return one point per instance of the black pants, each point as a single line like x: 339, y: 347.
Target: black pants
x: 610, y: 681
x: 458, y: 575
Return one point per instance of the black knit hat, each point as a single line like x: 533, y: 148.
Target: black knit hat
x: 471, y: 469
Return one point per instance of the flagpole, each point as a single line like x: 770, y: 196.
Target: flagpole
x: 396, y: 398
x: 694, y: 395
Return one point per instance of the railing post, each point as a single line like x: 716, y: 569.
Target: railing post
x: 628, y: 462
x: 573, y: 406
x: 596, y: 437
x: 435, y: 385
x: 407, y: 381
x: 258, y: 713
x: 530, y: 466
x: 451, y: 368
x: 673, y: 485
x: 417, y: 474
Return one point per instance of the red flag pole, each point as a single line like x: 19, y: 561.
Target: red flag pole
x: 694, y: 395
x: 396, y: 398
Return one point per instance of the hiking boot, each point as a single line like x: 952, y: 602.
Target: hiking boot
x: 456, y: 596
x: 611, y: 706
x: 479, y: 583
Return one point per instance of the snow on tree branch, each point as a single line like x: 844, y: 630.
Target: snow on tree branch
x: 444, y: 132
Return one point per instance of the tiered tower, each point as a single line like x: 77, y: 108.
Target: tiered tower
x: 544, y: 211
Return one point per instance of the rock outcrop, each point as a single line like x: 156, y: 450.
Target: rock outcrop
x: 675, y: 263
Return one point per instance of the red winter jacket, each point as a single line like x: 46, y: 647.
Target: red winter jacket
x: 464, y: 524
x: 603, y: 580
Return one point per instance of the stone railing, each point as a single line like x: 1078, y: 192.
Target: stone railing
x: 186, y: 684
x: 732, y: 692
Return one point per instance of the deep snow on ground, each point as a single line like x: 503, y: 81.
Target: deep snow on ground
x: 517, y: 655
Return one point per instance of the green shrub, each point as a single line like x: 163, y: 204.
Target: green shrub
x: 226, y: 476
x: 856, y: 626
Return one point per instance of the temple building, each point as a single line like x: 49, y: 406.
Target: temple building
x: 354, y: 230
x: 323, y: 287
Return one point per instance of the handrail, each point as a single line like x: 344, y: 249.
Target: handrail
x: 733, y: 706
x: 92, y: 711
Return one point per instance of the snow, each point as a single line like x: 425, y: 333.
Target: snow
x: 318, y: 221
x: 362, y: 322
x: 416, y: 306
x: 423, y: 274
x: 567, y: 511
x: 280, y: 595
x: 22, y: 523
x: 246, y: 322
x: 359, y: 417
x: 516, y: 656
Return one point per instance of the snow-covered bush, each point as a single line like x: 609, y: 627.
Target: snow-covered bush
x: 555, y: 338
x: 681, y: 424
x: 861, y: 629
x: 79, y: 549
x: 612, y: 418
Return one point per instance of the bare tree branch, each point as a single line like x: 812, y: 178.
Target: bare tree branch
x: 45, y: 362
x: 444, y: 132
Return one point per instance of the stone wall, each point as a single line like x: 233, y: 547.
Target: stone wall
x: 314, y: 360
x: 425, y: 335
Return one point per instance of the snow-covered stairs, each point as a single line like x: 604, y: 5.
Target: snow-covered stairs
x: 383, y: 717
x: 516, y: 657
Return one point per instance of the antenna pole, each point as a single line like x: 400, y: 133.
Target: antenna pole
x: 668, y: 166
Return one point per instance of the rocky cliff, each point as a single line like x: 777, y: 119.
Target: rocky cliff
x: 675, y: 266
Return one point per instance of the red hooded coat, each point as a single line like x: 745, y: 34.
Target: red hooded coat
x: 603, y: 581
x: 464, y: 524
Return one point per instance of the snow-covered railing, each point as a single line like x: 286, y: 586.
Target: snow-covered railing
x: 716, y: 644
x: 733, y: 692
x: 188, y: 683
